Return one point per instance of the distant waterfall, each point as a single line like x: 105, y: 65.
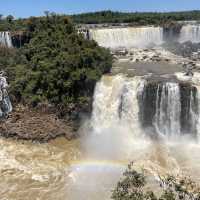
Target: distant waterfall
x: 6, y: 107
x: 167, y: 108
x: 5, y: 39
x: 143, y: 37
x: 190, y: 33
x: 127, y: 37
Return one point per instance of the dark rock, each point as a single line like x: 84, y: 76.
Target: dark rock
x: 171, y: 31
x: 145, y: 57
x: 186, y: 49
x: 19, y: 38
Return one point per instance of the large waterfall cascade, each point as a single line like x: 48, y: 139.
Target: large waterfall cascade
x: 168, y: 108
x: 115, y: 102
x: 141, y: 36
x: 107, y: 100
x: 127, y: 37
x: 5, y: 39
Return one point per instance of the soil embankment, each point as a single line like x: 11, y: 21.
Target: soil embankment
x: 35, y: 125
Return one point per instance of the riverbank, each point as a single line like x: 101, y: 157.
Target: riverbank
x: 35, y: 125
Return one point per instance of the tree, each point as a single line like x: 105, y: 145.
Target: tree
x: 131, y: 187
x: 9, y: 18
x: 47, y: 13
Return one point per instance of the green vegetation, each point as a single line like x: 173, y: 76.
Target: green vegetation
x: 132, y: 187
x: 10, y: 24
x: 136, y: 18
x: 57, y: 66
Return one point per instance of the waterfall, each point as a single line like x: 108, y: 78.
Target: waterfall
x: 170, y: 108
x: 107, y: 100
x: 142, y: 36
x: 6, y: 107
x: 127, y: 37
x: 115, y: 103
x: 167, y: 108
x: 129, y: 108
x: 198, y: 118
x: 189, y: 109
x: 5, y: 39
x: 190, y: 33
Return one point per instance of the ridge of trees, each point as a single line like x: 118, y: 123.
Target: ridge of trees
x: 9, y: 23
x: 136, y: 18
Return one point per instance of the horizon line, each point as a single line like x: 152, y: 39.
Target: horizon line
x: 99, y: 11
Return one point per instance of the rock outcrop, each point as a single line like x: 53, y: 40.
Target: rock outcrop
x: 19, y: 38
x: 34, y: 125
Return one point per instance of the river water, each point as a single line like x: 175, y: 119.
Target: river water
x: 89, y: 167
x: 35, y: 171
x: 58, y: 170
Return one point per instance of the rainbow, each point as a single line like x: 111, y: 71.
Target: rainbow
x: 99, y: 163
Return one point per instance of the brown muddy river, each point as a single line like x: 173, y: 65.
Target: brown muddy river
x: 56, y: 170
x: 35, y: 171
x: 60, y: 170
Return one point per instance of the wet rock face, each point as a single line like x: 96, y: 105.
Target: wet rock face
x: 19, y: 39
x: 147, y: 104
x: 171, y: 32
x: 85, y: 33
x: 185, y: 49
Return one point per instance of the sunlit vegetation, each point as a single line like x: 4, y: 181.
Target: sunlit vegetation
x: 57, y: 66
x: 136, y: 18
x: 132, y: 187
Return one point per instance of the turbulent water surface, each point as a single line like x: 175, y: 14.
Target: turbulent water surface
x: 119, y: 131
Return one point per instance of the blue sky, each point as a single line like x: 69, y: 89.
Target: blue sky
x: 25, y: 8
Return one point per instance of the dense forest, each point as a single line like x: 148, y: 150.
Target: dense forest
x: 57, y: 66
x: 135, y: 18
